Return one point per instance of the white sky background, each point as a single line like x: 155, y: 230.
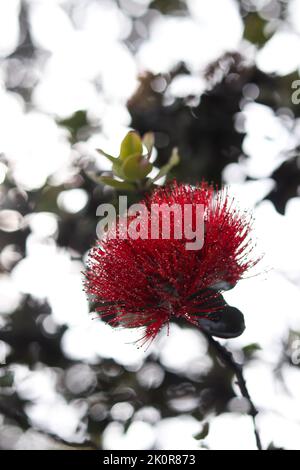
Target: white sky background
x: 37, y: 148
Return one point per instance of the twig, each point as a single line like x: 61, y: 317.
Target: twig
x: 228, y: 359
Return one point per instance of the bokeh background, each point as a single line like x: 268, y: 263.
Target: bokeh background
x: 213, y: 77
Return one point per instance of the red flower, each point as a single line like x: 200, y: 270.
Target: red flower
x: 146, y: 282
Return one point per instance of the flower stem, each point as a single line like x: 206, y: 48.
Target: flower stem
x: 227, y: 357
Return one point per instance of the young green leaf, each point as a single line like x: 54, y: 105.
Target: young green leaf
x: 109, y: 157
x: 136, y: 168
x: 148, y: 141
x: 117, y: 169
x: 121, y: 185
x: 131, y: 145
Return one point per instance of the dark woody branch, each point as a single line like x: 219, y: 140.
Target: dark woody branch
x: 227, y: 358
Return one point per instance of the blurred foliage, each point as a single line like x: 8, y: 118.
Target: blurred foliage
x: 75, y: 123
x: 79, y: 126
x: 169, y: 6
x: 250, y: 350
x: 204, y: 131
x: 204, y: 433
x: 287, y: 179
x: 255, y: 29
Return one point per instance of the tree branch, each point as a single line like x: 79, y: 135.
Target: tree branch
x: 227, y: 358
